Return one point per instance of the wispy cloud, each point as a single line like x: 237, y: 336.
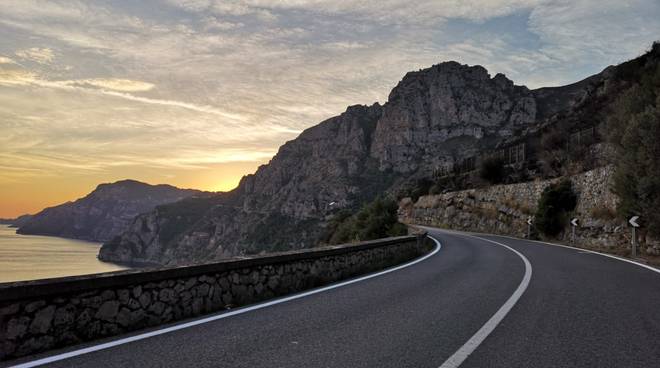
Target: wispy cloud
x: 37, y: 55
x: 115, y: 84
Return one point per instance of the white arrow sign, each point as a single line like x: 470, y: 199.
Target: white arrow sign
x: 574, y: 222
x: 633, y: 221
x: 529, y: 221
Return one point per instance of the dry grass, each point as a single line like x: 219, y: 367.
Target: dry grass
x: 517, y: 205
x: 603, y: 213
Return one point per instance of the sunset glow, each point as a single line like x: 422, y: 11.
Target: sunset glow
x: 199, y: 93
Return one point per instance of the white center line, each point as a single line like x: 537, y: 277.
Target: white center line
x: 473, y: 343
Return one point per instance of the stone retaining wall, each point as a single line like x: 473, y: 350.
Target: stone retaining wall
x: 46, y: 314
x: 504, y: 209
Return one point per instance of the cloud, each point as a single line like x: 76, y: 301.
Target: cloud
x: 201, y: 83
x: 37, y: 55
x: 115, y: 84
x: 114, y: 87
x: 574, y: 29
x: 189, y: 106
x: 221, y: 7
x: 6, y: 60
x: 109, y: 87
x: 11, y: 74
x: 389, y: 11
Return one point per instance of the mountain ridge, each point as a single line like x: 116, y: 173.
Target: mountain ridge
x: 434, y: 118
x: 104, y: 212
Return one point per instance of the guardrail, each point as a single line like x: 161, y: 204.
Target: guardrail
x: 45, y: 314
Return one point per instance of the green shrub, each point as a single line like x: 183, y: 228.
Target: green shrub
x: 374, y: 220
x: 492, y: 170
x: 555, y: 202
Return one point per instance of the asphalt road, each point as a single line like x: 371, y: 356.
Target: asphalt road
x: 579, y: 309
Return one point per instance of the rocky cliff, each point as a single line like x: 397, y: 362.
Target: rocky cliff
x: 104, y: 213
x: 433, y: 117
x: 281, y: 206
x: 441, y: 114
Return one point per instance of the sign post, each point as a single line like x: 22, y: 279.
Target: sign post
x: 574, y: 223
x: 529, y: 227
x: 633, y: 240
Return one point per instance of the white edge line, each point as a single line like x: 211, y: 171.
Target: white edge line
x: 473, y: 343
x: 477, y: 235
x: 107, y: 345
x: 582, y: 250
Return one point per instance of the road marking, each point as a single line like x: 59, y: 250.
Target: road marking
x: 580, y: 250
x: 473, y: 343
x: 650, y: 268
x: 107, y: 345
x: 601, y: 254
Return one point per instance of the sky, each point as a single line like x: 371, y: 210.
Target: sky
x: 198, y: 93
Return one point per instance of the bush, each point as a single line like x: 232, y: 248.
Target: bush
x: 421, y: 188
x: 436, y: 189
x: 552, y: 153
x: 374, y: 220
x: 493, y: 170
x: 555, y: 202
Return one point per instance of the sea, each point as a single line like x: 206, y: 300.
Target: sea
x: 31, y: 257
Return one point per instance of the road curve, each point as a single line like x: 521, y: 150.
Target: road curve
x: 578, y: 310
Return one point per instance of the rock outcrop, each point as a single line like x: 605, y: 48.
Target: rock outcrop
x: 447, y: 112
x: 16, y: 222
x: 104, y: 213
x: 434, y: 117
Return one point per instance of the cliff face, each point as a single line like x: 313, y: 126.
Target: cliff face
x: 445, y: 113
x: 433, y: 117
x: 104, y: 213
x: 321, y: 166
x: 281, y: 206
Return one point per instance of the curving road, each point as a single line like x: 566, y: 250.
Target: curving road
x: 480, y: 301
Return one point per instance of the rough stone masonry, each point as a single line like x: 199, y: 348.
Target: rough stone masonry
x: 504, y: 209
x: 39, y: 315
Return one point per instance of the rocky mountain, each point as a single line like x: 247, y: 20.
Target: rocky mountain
x: 104, y: 213
x: 16, y: 222
x: 434, y: 117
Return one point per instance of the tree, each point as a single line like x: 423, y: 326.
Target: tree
x: 634, y: 130
x: 637, y: 176
x: 374, y: 220
x: 556, y: 201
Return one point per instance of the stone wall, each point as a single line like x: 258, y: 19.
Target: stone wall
x: 504, y: 209
x: 45, y: 314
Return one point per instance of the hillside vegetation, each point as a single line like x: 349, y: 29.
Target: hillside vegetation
x: 377, y: 219
x: 634, y: 132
